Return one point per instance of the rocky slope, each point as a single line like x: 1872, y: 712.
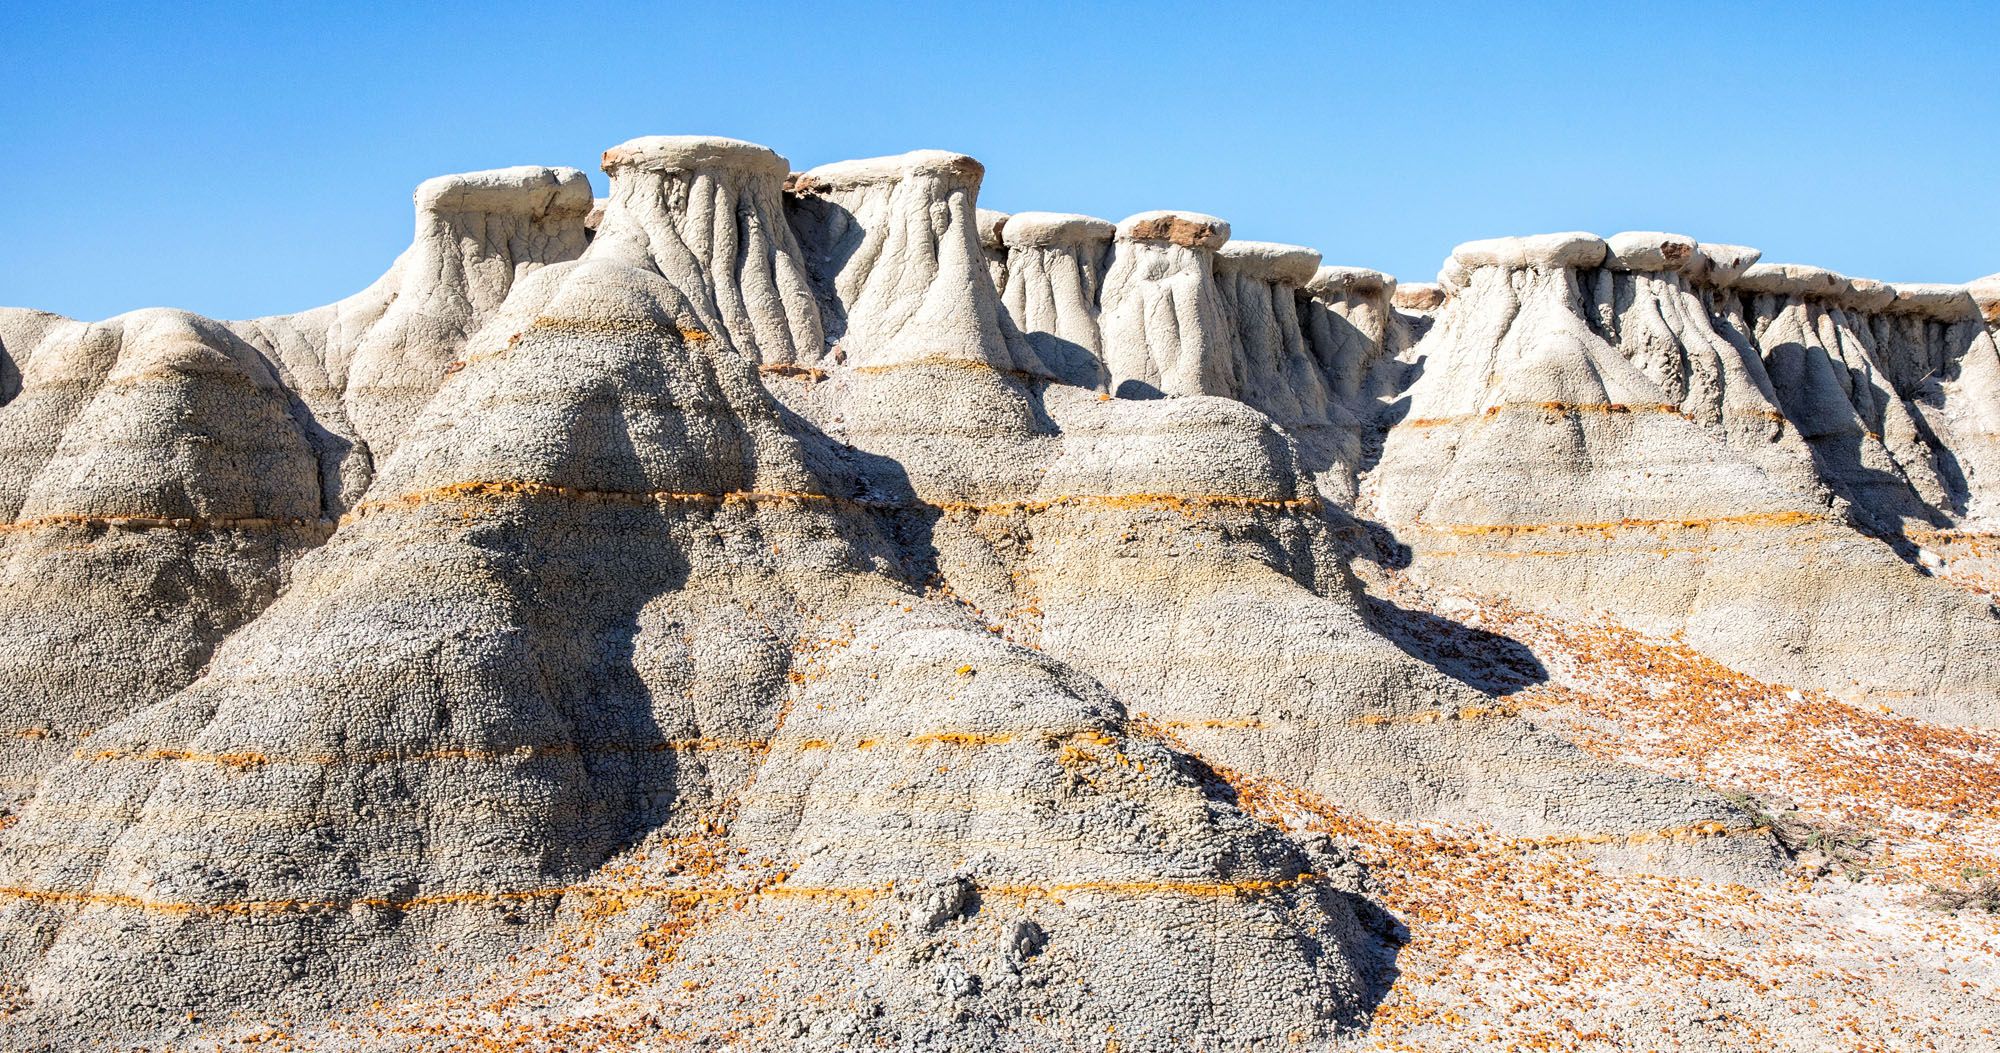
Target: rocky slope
x: 806, y: 610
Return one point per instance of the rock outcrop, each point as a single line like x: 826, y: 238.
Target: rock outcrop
x: 1540, y: 460
x: 708, y: 215
x: 1054, y: 285
x: 1164, y: 328
x: 889, y: 240
x: 159, y: 479
x: 811, y: 611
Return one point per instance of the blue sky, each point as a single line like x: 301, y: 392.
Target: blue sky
x: 250, y: 159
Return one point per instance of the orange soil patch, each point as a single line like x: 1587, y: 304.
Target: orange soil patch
x: 1521, y: 944
x: 1930, y: 793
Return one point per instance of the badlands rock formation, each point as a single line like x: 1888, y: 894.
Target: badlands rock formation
x: 807, y: 609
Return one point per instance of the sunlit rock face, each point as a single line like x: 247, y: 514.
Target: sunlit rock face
x: 809, y: 609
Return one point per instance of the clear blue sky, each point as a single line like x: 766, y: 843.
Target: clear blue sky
x: 249, y: 159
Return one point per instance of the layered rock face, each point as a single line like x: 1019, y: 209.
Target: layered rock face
x: 1585, y: 436
x: 160, y: 481
x: 810, y: 610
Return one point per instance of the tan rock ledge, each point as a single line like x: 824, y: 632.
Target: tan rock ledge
x: 690, y: 153
x: 1192, y: 230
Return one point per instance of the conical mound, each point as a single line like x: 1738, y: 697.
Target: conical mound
x: 156, y: 482
x: 952, y: 843
x: 482, y: 687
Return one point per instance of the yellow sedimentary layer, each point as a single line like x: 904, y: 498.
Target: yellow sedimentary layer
x: 1747, y: 520
x: 529, y: 490
x: 856, y: 894
x: 971, y: 364
x: 1566, y: 408
x: 549, y: 491
x: 154, y: 522
x: 247, y: 758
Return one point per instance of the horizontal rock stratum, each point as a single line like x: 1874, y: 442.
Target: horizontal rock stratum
x: 804, y: 610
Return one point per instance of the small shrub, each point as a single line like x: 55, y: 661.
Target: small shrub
x: 1980, y: 891
x: 1820, y: 845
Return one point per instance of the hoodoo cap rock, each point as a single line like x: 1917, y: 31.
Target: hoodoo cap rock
x: 1946, y: 303
x: 1567, y: 249
x: 1192, y: 230
x: 1350, y: 281
x: 992, y: 229
x: 1648, y: 250
x: 874, y: 171
x: 1986, y: 294
x: 1721, y: 265
x: 1268, y: 260
x: 527, y: 190
x: 689, y: 153
x: 1029, y: 229
x: 1789, y: 279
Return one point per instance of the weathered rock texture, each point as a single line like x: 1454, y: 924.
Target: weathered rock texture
x: 813, y: 611
x: 1583, y: 435
x: 1053, y: 282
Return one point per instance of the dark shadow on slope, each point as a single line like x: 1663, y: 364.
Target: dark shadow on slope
x: 1138, y: 390
x: 10, y: 377
x: 882, y: 483
x: 1070, y: 362
x: 1383, y: 935
x: 811, y: 216
x: 1950, y: 472
x: 1488, y: 661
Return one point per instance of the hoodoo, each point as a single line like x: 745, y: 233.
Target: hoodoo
x: 993, y: 245
x: 1260, y: 283
x: 1355, y: 326
x: 385, y: 350
x: 1054, y: 282
x: 708, y: 215
x: 890, y: 241
x: 1164, y: 328
x: 1629, y: 504
x: 808, y: 610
